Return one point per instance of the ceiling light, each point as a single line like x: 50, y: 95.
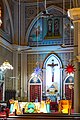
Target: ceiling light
x: 5, y: 66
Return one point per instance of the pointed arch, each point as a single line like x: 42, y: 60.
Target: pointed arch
x: 47, y: 73
x: 69, y: 88
x: 35, y: 89
x: 10, y: 17
x: 39, y: 16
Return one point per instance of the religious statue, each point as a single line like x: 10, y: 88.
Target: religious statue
x: 52, y: 65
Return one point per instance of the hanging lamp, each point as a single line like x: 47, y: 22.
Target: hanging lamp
x: 0, y: 17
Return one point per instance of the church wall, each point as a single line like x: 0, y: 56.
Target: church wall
x: 19, y: 73
x: 63, y: 56
x: 31, y: 63
x: 32, y: 60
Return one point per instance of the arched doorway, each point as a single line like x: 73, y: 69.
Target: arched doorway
x: 35, y: 89
x: 69, y: 88
x: 52, y: 76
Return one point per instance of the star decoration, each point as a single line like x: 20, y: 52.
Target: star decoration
x: 70, y: 68
x: 37, y: 70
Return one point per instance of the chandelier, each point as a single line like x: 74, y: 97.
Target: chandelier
x: 5, y: 66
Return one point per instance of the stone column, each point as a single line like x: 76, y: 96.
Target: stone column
x: 44, y: 80
x: 75, y: 15
x: 15, y: 72
x: 23, y: 74
x: 77, y: 66
x: 61, y: 86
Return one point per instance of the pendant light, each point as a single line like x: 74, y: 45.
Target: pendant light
x: 0, y: 17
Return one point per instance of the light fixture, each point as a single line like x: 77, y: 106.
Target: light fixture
x: 72, y: 27
x: 5, y: 66
x: 0, y: 21
x: 0, y: 17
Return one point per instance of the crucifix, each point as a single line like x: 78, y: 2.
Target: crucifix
x: 52, y: 65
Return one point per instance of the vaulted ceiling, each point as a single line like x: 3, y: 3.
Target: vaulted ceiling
x: 76, y: 3
x: 31, y: 5
x: 67, y: 4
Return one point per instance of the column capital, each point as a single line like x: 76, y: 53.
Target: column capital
x: 78, y: 58
x: 74, y: 14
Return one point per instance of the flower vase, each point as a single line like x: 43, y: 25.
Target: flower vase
x: 48, y: 108
x: 11, y: 108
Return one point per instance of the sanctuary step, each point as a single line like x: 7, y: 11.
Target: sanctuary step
x: 45, y: 116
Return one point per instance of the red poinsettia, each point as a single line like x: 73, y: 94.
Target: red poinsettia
x: 70, y: 68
